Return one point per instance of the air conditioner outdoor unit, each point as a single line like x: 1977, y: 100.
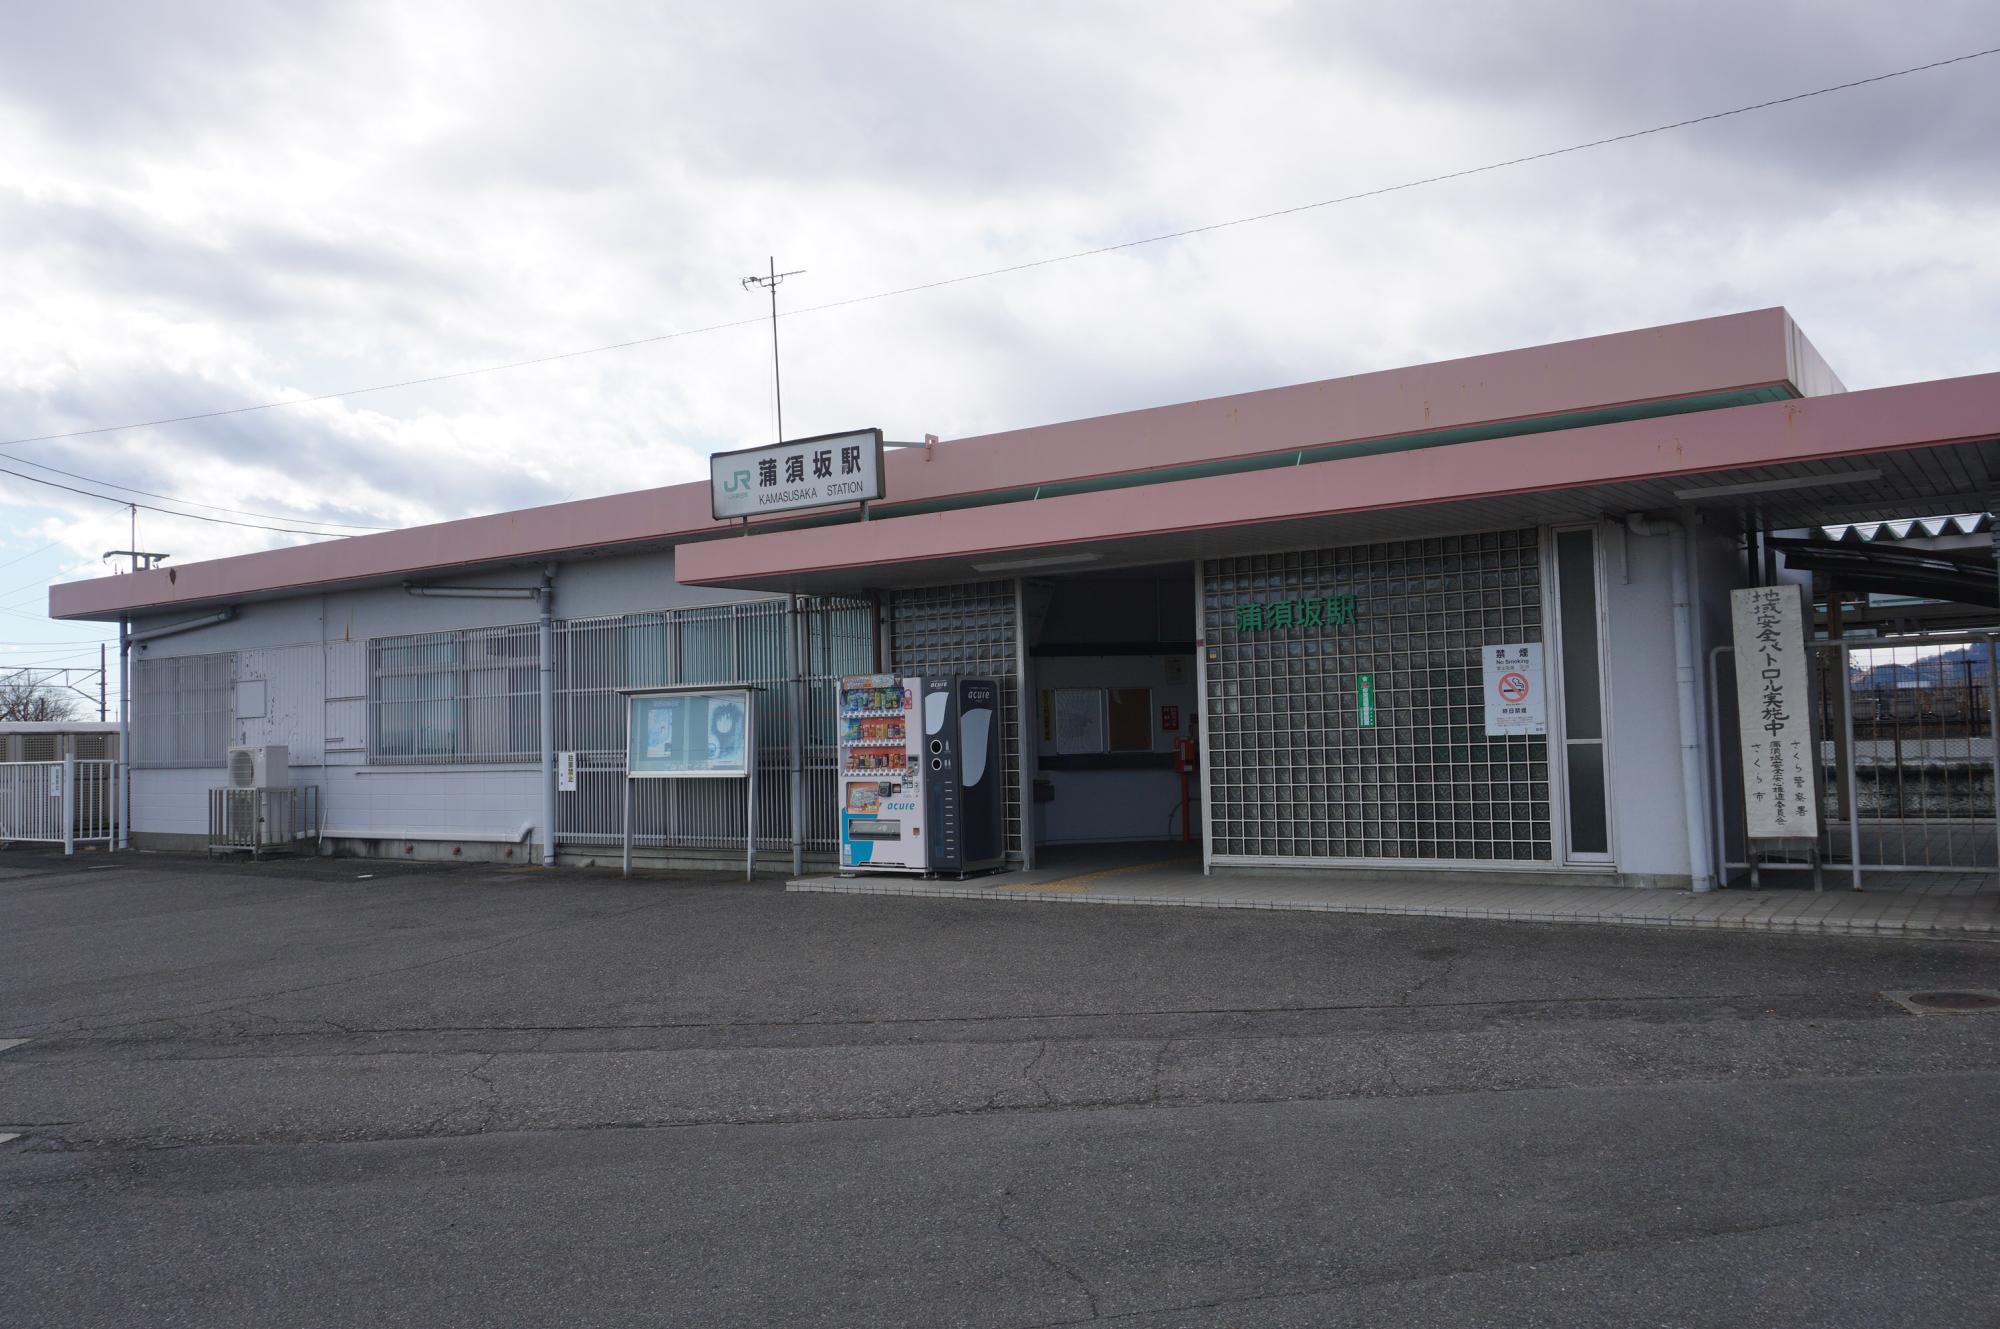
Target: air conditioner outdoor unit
x: 265, y: 767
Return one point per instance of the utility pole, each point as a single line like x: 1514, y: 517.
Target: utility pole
x: 770, y: 282
x: 101, y: 676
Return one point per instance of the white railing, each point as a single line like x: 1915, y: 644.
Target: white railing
x: 67, y: 802
x: 263, y: 819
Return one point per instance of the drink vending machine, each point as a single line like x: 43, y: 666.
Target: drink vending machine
x: 920, y: 774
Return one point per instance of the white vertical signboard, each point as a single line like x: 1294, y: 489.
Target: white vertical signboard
x: 1774, y: 713
x: 1516, y: 701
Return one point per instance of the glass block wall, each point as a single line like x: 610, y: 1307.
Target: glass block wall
x: 1295, y: 773
x: 967, y: 630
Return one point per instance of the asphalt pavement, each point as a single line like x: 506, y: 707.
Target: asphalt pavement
x: 335, y: 1092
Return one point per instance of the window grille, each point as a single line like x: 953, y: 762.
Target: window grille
x: 1296, y: 774
x: 749, y: 643
x: 469, y: 695
x: 183, y: 708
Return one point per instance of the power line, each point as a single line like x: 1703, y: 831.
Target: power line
x: 1018, y: 267
x: 30, y: 554
x: 186, y: 502
x: 191, y: 516
x: 44, y: 662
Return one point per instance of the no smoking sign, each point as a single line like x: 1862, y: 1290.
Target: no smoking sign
x: 1513, y: 677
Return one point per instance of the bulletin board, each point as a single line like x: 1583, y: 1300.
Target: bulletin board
x: 1129, y: 719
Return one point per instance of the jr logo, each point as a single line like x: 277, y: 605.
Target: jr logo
x: 737, y: 483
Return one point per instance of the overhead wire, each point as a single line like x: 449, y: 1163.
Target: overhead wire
x: 185, y: 502
x: 1004, y: 270
x: 153, y: 507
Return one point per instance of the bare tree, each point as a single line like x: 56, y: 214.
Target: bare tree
x: 23, y: 697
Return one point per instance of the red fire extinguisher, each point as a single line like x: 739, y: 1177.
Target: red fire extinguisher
x: 1185, y: 759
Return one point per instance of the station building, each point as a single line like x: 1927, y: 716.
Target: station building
x: 1305, y: 581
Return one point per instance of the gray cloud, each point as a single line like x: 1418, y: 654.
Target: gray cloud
x: 1608, y: 69
x: 227, y: 203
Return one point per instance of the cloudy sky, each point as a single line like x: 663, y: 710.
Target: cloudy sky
x: 206, y: 206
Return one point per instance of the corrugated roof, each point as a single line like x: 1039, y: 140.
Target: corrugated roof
x: 1915, y: 528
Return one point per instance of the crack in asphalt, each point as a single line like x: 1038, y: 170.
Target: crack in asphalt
x: 1433, y: 979
x: 1004, y: 1225
x: 1651, y: 1242
x: 143, y: 1144
x: 347, y: 980
x: 1521, y: 1005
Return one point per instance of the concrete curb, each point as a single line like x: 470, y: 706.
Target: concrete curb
x: 1813, y: 916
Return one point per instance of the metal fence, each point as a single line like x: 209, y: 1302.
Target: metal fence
x: 67, y: 802
x: 1909, y: 776
x: 262, y: 820
x: 792, y: 653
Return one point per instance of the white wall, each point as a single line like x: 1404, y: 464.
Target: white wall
x: 1647, y: 805
x: 311, y: 653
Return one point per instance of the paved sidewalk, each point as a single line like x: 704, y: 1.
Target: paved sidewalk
x: 1174, y: 882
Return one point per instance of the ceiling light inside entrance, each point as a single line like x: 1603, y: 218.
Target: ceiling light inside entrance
x: 1776, y: 486
x: 1045, y: 561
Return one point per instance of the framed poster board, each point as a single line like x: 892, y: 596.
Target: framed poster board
x: 1129, y: 719
x: 692, y: 734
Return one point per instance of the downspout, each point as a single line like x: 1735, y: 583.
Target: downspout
x: 124, y: 808
x: 795, y: 740
x: 546, y: 598
x: 1701, y: 876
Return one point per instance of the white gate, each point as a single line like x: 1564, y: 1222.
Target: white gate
x: 67, y: 802
x: 1909, y: 775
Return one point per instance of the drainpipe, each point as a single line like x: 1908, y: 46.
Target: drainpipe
x: 1701, y: 875
x: 124, y: 795
x: 546, y: 599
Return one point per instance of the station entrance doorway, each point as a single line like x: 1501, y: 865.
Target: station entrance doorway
x: 1100, y: 705
x: 1113, y: 726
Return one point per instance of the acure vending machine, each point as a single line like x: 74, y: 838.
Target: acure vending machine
x: 920, y: 774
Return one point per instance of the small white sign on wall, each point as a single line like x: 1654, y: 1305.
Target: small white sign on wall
x: 566, y: 772
x: 1516, y: 700
x: 1774, y: 713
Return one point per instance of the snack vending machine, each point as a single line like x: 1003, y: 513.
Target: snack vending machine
x: 920, y: 775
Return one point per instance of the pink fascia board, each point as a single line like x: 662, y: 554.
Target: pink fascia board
x: 646, y: 515
x: 1735, y: 351
x: 1776, y: 433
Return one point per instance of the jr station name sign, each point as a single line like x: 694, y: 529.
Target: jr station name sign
x: 803, y: 473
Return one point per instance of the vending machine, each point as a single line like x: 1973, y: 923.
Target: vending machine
x: 921, y: 775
